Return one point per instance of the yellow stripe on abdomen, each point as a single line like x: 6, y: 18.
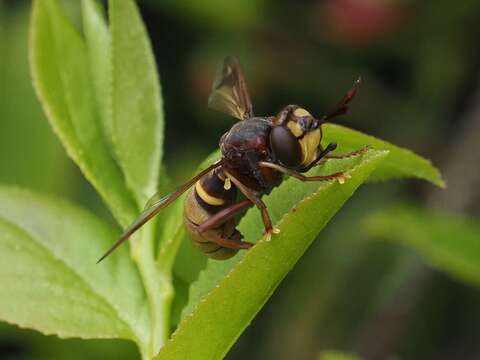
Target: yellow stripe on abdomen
x: 209, y: 199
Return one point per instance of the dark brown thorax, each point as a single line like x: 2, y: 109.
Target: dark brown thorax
x: 243, y: 147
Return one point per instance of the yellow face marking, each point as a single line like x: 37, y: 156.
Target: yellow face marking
x: 309, y: 144
x: 295, y: 128
x: 299, y: 112
x: 209, y: 199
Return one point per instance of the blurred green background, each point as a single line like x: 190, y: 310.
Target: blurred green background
x: 420, y: 62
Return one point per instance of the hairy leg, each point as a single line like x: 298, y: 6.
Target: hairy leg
x: 254, y: 198
x: 340, y: 176
x: 223, y: 215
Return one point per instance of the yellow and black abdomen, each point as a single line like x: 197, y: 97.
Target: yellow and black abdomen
x: 205, y: 199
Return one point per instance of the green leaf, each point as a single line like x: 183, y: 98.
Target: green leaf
x: 172, y: 232
x: 136, y: 100
x: 300, y: 211
x: 400, y: 162
x: 32, y: 279
x: 61, y: 76
x: 24, y: 126
x: 403, y: 163
x: 282, y: 200
x: 448, y: 242
x: 218, y: 15
x: 49, y: 278
x: 97, y: 37
x: 336, y: 355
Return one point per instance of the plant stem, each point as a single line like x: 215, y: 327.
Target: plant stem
x: 158, y: 287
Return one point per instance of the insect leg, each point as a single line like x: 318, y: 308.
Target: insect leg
x: 323, y: 156
x: 340, y: 176
x: 232, y: 241
x: 229, y: 243
x: 267, y: 221
x: 223, y: 215
x: 347, y: 155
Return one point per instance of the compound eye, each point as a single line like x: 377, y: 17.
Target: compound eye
x: 285, y: 146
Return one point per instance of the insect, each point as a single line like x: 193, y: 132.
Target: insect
x: 257, y: 152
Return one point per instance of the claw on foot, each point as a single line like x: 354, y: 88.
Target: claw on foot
x: 358, y: 152
x: 344, y: 177
x: 268, y: 234
x: 363, y: 150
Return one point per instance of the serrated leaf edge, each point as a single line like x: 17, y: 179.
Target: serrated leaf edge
x: 63, y: 202
x: 278, y: 224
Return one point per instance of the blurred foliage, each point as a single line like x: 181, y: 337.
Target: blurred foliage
x: 24, y: 131
x: 449, y: 242
x: 335, y: 355
x: 420, y: 68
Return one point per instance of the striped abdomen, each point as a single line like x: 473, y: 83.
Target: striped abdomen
x: 206, y: 198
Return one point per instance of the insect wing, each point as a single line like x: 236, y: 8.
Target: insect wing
x: 229, y: 92
x: 154, y: 205
x: 154, y: 200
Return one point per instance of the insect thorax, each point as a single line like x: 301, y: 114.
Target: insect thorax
x: 244, y: 146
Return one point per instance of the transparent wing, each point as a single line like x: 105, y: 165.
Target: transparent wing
x: 154, y: 200
x: 154, y: 205
x: 229, y: 92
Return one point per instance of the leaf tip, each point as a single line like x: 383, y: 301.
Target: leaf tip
x: 441, y: 183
